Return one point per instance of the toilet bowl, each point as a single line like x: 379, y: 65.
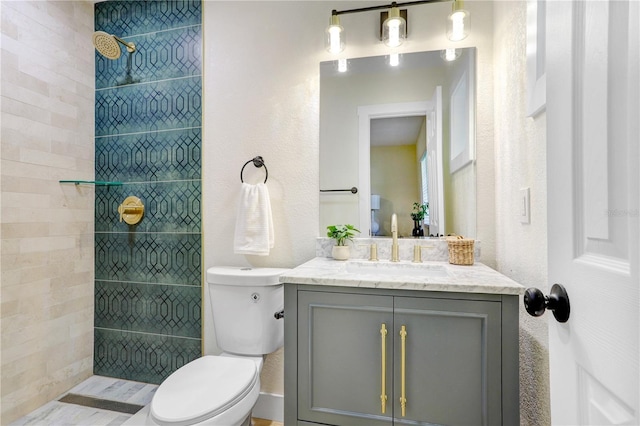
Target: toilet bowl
x: 223, y: 389
x: 212, y: 390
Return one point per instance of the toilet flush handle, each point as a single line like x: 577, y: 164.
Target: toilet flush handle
x: 279, y: 314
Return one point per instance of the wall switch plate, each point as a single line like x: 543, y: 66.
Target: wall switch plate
x: 525, y: 206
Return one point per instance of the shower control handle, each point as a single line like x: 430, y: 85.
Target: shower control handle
x: 131, y: 210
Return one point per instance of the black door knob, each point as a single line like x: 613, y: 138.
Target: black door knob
x: 535, y: 302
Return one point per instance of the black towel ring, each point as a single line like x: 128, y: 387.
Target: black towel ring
x: 258, y: 162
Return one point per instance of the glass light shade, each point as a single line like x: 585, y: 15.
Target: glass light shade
x: 335, y: 36
x: 394, y: 28
x: 458, y: 22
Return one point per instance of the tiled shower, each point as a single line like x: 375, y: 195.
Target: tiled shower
x: 148, y: 135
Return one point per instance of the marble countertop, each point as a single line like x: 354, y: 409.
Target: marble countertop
x: 404, y: 275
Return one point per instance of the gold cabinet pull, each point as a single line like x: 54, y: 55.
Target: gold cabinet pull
x: 383, y: 393
x: 403, y: 355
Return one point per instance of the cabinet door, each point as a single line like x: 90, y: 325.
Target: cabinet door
x: 452, y: 362
x: 340, y: 355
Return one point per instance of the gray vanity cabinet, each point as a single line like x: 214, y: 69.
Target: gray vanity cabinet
x: 452, y: 368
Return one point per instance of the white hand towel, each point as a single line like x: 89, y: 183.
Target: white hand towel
x: 254, y: 224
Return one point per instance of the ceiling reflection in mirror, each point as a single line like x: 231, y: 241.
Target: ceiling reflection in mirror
x: 401, y: 134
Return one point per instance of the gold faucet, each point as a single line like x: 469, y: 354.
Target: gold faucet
x: 394, y: 236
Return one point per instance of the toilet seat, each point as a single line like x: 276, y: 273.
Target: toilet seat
x: 202, y: 389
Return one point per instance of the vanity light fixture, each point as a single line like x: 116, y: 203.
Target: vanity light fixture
x: 458, y: 22
x: 393, y: 29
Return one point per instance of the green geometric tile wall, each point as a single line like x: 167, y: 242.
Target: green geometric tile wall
x: 148, y: 127
x: 164, y: 258
x: 170, y: 206
x: 148, y: 308
x: 149, y: 156
x: 178, y: 53
x: 162, y: 105
x: 141, y: 357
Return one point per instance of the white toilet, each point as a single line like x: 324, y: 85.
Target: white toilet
x: 222, y: 390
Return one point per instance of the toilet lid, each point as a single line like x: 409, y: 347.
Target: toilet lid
x: 203, y: 389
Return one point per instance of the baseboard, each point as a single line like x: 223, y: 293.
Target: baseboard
x: 269, y: 406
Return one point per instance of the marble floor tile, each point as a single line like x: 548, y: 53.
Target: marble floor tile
x: 116, y: 389
x: 56, y: 413
x: 62, y: 414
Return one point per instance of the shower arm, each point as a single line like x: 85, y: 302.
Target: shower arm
x: 131, y: 47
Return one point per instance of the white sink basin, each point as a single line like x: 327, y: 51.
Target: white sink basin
x: 396, y: 269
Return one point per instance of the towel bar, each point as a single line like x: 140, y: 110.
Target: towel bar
x: 258, y: 162
x: 353, y: 190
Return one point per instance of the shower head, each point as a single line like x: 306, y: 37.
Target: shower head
x: 107, y: 45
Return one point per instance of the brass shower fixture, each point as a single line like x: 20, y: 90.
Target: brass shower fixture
x: 107, y: 45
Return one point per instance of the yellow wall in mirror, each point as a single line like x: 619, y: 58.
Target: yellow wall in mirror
x: 397, y: 182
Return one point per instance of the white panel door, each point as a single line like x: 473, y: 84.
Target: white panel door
x: 593, y: 191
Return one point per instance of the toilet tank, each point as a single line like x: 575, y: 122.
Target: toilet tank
x: 243, y: 302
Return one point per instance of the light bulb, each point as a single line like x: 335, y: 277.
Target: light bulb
x: 394, y: 33
x: 457, y: 26
x: 335, y: 43
x: 335, y: 36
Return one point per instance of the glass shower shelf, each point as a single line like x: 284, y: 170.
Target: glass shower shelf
x: 92, y: 182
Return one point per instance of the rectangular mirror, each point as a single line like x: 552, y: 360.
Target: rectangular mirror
x: 401, y: 135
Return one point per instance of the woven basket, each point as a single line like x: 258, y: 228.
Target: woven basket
x: 460, y: 250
